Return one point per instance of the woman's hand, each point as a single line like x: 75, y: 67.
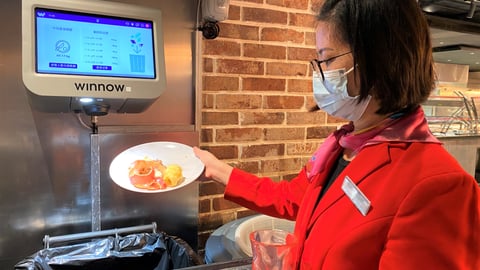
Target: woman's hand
x: 214, y: 168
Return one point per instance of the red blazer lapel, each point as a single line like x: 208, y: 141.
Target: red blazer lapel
x: 311, y: 196
x: 368, y: 160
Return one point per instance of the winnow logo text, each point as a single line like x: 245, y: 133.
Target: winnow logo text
x: 100, y: 87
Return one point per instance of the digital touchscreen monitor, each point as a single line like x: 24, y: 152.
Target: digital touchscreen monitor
x: 84, y: 54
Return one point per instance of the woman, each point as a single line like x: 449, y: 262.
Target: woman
x: 380, y: 192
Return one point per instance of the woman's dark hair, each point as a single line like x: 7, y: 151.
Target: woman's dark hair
x: 390, y: 42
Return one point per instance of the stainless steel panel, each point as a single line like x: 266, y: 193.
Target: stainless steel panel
x: 45, y: 159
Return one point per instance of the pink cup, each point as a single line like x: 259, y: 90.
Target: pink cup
x: 273, y: 250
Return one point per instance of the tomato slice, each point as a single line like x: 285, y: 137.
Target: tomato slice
x: 161, y: 183
x: 141, y: 174
x: 147, y: 174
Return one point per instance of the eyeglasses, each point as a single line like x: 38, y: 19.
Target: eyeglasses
x: 317, y: 64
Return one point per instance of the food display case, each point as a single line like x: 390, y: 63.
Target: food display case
x: 454, y: 115
x: 454, y: 120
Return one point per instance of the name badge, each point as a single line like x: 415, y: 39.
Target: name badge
x: 356, y: 196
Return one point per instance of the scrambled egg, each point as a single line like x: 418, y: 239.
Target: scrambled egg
x: 172, y: 175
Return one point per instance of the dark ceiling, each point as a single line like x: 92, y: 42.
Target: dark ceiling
x: 455, y: 30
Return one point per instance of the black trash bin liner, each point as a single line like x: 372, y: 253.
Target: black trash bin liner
x: 145, y: 251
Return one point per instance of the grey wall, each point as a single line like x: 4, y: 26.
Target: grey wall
x: 45, y: 159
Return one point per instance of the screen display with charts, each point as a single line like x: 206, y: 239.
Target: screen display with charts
x: 85, y: 44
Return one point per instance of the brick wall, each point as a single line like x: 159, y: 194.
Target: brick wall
x: 256, y: 91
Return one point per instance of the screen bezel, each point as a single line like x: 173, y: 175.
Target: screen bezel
x: 61, y: 85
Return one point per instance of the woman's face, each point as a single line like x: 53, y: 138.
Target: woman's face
x: 328, y: 46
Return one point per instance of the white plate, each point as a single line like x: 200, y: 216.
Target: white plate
x: 167, y: 152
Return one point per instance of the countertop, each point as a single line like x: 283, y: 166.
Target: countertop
x: 241, y: 264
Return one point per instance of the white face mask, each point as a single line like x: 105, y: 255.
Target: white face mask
x: 332, y: 97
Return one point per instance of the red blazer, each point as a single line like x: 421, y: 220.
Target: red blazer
x: 424, y: 214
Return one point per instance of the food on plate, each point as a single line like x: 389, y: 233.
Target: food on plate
x: 153, y: 174
x: 172, y: 175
